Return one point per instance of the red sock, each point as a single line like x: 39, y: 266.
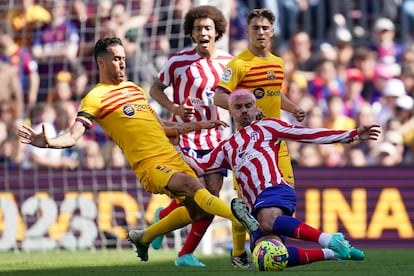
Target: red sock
x: 307, y: 256
x: 307, y: 233
x: 198, y: 228
x: 173, y: 204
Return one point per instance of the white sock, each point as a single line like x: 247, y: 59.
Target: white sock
x: 324, y: 239
x: 329, y: 254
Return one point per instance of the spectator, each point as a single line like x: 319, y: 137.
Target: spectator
x: 11, y: 90
x: 365, y: 60
x: 92, y: 158
x: 385, y: 108
x: 355, y: 157
x: 335, y: 117
x: 309, y: 156
x: 291, y: 72
x: 297, y: 94
x: 55, y: 46
x: 407, y: 77
x: 301, y: 46
x: 352, y: 97
x: 237, y: 27
x: 395, y: 138
x: 34, y: 157
x: 62, y: 89
x: 387, y: 155
x: 343, y: 43
x: 129, y: 28
x: 26, y: 18
x: 405, y: 115
x: 384, y: 44
x: 326, y: 82
x: 381, y: 75
x: 89, y: 20
x: 25, y: 65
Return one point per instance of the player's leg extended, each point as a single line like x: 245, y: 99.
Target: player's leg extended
x: 159, y: 214
x: 207, y: 201
x: 214, y: 183
x: 178, y: 218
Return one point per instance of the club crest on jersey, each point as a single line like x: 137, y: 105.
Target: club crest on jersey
x: 227, y: 75
x: 255, y: 135
x: 163, y: 168
x: 259, y: 93
x: 271, y: 75
x: 128, y: 110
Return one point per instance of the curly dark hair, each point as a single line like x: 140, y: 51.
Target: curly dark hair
x: 101, y: 46
x: 266, y: 13
x: 205, y: 11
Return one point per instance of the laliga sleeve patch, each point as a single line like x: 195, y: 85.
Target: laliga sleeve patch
x: 227, y: 75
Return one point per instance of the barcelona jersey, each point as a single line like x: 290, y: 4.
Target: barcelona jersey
x: 124, y: 113
x: 263, y: 76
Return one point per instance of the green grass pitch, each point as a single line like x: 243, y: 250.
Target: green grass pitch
x: 123, y: 262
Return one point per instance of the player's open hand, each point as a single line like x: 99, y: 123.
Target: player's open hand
x: 371, y: 132
x: 29, y: 136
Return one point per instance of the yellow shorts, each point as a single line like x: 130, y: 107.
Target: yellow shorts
x: 155, y: 174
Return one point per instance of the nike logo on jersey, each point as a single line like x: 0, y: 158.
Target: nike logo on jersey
x: 209, y: 94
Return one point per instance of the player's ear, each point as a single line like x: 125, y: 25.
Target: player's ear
x: 100, y: 60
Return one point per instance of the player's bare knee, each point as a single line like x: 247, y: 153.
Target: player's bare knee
x: 266, y: 226
x: 182, y: 184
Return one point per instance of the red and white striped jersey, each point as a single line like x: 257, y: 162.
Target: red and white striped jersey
x: 191, y: 75
x: 252, y: 153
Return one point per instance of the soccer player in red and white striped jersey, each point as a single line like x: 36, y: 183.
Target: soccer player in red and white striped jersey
x: 252, y: 154
x: 193, y: 74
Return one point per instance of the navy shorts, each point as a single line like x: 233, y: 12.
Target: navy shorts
x: 281, y: 196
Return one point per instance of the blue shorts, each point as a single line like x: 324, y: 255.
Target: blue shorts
x: 201, y: 153
x: 281, y: 196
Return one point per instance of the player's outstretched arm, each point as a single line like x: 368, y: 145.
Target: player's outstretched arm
x: 39, y: 139
x: 194, y: 126
x: 371, y: 132
x: 174, y: 128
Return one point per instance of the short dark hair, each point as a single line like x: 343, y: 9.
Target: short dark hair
x: 266, y: 13
x: 101, y: 46
x: 205, y: 11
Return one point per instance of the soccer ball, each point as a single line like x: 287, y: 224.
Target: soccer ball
x: 270, y: 255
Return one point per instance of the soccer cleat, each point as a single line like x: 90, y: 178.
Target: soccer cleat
x: 242, y: 214
x: 135, y: 236
x: 340, y: 246
x: 188, y: 260
x: 356, y: 254
x: 157, y: 242
x: 241, y: 261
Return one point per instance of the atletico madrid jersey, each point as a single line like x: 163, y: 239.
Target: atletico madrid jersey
x: 191, y: 75
x: 252, y: 153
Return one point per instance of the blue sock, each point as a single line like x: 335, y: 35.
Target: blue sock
x: 293, y: 259
x: 257, y: 235
x: 285, y: 226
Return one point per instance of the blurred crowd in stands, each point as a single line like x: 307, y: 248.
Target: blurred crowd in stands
x: 346, y: 63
